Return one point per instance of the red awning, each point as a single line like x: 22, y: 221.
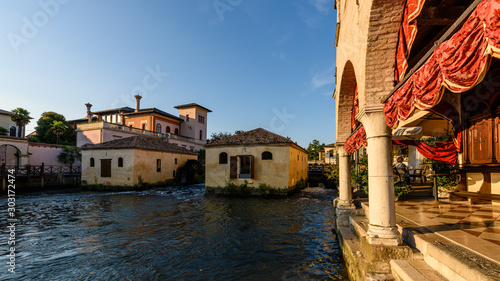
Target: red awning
x: 458, y: 64
x: 407, y: 33
x: 356, y: 140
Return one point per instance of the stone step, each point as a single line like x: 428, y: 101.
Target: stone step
x: 414, y: 270
x: 449, y: 259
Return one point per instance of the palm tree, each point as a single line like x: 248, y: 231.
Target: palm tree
x: 22, y: 117
x: 69, y: 155
x: 58, y: 128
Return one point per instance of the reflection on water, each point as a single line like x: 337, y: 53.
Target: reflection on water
x: 175, y: 234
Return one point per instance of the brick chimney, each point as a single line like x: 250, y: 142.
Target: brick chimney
x: 137, y: 103
x: 89, y: 113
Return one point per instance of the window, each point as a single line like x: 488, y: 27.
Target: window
x: 176, y: 132
x: 201, y: 119
x: 174, y: 174
x: 158, y: 165
x: 175, y: 160
x: 201, y: 134
x: 12, y: 131
x: 168, y: 129
x: 266, y: 155
x: 120, y: 162
x: 297, y: 157
x: 187, y: 117
x: 158, y: 128
x: 92, y: 162
x: 105, y: 168
x: 223, y: 158
x: 144, y: 126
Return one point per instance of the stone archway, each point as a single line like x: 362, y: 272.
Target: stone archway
x: 345, y: 102
x: 9, y: 155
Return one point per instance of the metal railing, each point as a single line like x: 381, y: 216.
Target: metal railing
x: 124, y: 128
x: 36, y: 170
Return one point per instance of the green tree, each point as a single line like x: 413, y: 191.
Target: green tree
x: 22, y: 117
x: 201, y: 156
x: 3, y: 131
x: 238, y: 132
x: 69, y: 155
x: 45, y: 133
x: 222, y: 135
x: 58, y: 128
x: 313, y: 149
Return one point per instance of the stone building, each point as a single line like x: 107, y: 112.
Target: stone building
x: 430, y: 64
x: 188, y: 130
x: 132, y: 161
x: 7, y: 123
x: 257, y: 157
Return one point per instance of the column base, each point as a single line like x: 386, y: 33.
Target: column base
x: 345, y: 205
x: 388, y: 236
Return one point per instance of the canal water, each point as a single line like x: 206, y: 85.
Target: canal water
x: 174, y: 233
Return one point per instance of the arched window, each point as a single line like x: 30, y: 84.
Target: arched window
x: 120, y: 162
x: 12, y: 131
x: 176, y: 132
x: 223, y: 158
x: 92, y: 162
x: 158, y: 128
x: 168, y: 129
x: 201, y: 134
x: 144, y: 126
x: 266, y: 155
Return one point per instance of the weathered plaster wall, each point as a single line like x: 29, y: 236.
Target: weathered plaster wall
x: 297, y: 166
x: 47, y: 154
x: 120, y: 176
x: 271, y: 172
x: 136, y: 163
x: 145, y: 165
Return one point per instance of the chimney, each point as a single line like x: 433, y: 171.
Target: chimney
x: 137, y: 103
x: 89, y: 113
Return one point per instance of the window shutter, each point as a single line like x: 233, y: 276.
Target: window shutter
x: 251, y: 166
x: 233, y: 168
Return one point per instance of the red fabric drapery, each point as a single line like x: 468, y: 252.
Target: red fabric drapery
x: 356, y: 140
x: 458, y: 64
x: 445, y: 152
x: 407, y: 33
x: 355, y: 110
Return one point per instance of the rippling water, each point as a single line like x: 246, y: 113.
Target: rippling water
x: 174, y: 233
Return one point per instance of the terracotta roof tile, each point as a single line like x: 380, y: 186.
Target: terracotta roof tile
x: 257, y: 136
x: 142, y: 142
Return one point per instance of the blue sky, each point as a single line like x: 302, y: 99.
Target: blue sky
x: 254, y: 63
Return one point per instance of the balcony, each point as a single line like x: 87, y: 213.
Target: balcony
x: 122, y: 128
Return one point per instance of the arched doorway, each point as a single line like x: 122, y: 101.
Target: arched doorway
x: 9, y: 155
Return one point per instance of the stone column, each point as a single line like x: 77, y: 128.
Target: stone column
x: 382, y: 229
x: 345, y: 192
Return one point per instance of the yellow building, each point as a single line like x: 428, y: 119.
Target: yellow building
x: 256, y: 160
x: 132, y: 161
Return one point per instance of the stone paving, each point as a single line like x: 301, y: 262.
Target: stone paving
x: 476, y: 226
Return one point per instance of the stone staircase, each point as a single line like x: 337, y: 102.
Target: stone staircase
x: 424, y: 256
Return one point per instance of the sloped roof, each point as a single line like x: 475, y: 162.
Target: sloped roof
x: 5, y: 112
x: 141, y: 142
x: 192, y: 105
x: 153, y: 110
x: 256, y: 136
